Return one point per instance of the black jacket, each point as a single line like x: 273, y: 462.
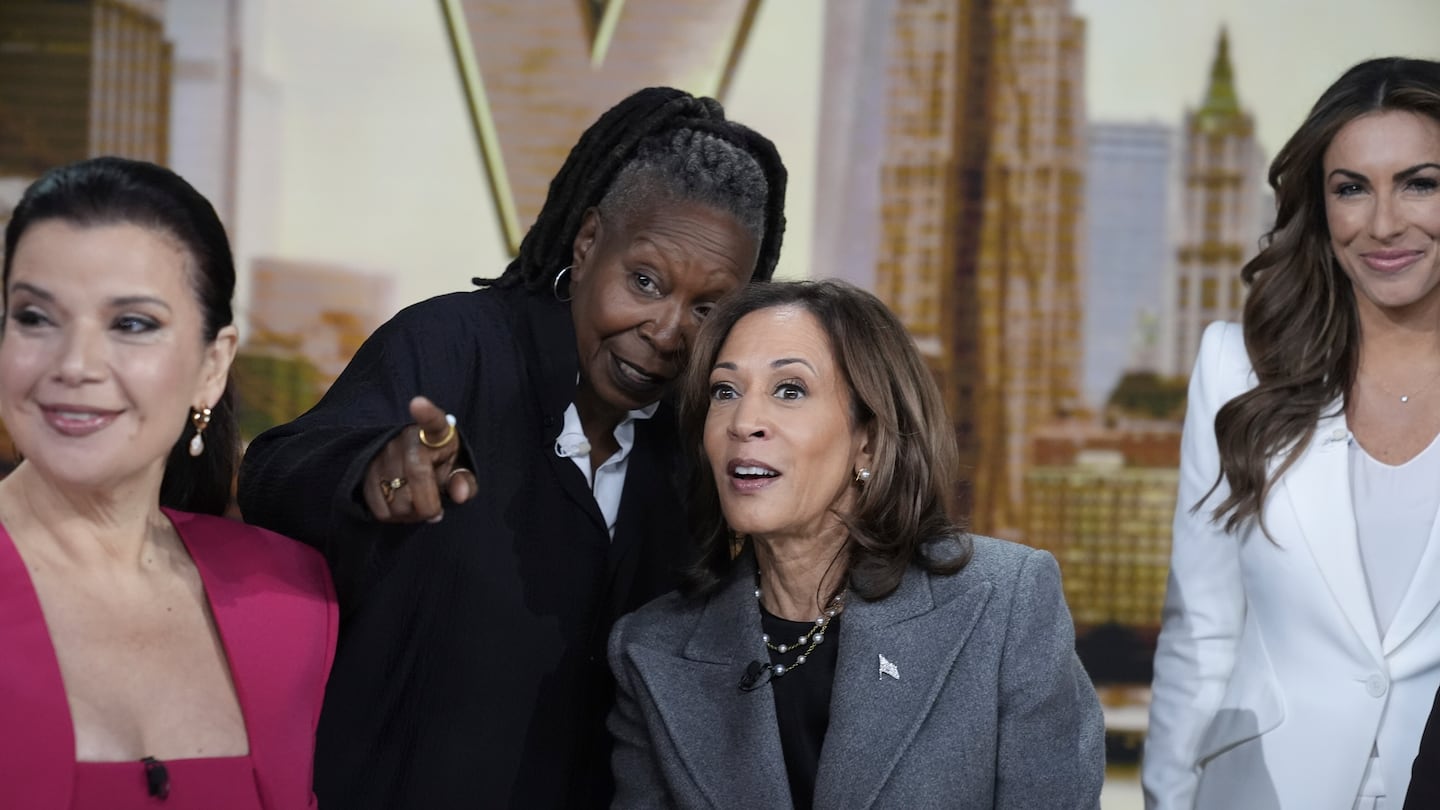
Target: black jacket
x: 1424, y: 791
x: 470, y: 670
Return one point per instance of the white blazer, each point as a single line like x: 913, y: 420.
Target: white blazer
x: 1272, y: 681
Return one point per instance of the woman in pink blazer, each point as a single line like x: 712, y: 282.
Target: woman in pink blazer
x: 152, y: 650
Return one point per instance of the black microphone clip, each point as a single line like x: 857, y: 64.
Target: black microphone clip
x: 157, y: 779
x: 751, y: 680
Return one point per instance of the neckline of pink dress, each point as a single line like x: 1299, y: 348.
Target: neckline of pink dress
x: 107, y: 770
x: 211, y: 783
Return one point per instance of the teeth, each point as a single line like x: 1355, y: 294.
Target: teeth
x: 755, y: 471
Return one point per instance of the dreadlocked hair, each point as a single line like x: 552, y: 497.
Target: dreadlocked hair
x: 658, y: 140
x: 693, y: 166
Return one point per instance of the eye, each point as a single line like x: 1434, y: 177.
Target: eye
x: 1348, y: 189
x: 1423, y: 185
x: 135, y: 324
x: 720, y: 392
x: 29, y: 316
x: 645, y: 283
x: 789, y: 390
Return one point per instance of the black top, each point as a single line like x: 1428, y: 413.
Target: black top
x: 802, y: 699
x: 470, y: 670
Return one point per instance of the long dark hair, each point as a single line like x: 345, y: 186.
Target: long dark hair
x: 910, y: 500
x: 111, y: 190
x: 1302, y: 332
x: 608, y: 146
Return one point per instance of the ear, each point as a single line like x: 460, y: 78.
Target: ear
x: 865, y: 453
x: 215, y: 367
x: 587, y: 241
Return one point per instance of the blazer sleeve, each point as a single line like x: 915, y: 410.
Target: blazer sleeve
x: 1204, y: 599
x: 638, y: 783
x: 303, y: 479
x: 1051, y: 748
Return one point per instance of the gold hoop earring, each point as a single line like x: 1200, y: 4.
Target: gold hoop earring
x: 200, y: 418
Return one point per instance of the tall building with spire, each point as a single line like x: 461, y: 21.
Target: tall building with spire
x: 1221, y: 210
x: 81, y: 78
x: 981, y: 243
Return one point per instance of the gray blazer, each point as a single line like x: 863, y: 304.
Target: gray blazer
x: 991, y: 707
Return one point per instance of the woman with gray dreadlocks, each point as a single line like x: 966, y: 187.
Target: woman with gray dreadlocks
x: 495, y: 477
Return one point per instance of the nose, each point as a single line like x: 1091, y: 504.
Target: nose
x: 665, y: 330
x: 1386, y: 219
x: 747, y: 419
x: 82, y: 357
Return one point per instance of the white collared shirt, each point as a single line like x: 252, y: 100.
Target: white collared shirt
x: 608, y: 482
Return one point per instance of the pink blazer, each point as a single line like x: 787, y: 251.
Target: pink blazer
x: 276, y: 613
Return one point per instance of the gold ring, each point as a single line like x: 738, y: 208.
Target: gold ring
x: 443, y: 440
x: 388, y: 487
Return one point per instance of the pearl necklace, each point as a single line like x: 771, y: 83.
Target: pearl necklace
x: 808, y: 640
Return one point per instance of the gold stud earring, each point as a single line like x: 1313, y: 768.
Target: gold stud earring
x: 200, y: 418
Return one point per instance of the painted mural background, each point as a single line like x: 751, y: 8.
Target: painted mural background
x: 1055, y: 196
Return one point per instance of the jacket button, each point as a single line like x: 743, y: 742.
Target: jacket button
x: 1375, y: 685
x: 1338, y: 434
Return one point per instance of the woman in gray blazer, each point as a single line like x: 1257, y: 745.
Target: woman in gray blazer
x: 843, y: 643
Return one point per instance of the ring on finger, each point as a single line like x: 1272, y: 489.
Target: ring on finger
x: 449, y: 436
x: 388, y: 487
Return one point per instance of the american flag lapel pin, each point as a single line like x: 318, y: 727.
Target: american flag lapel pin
x: 887, y: 667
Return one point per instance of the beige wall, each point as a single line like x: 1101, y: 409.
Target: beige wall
x: 359, y: 151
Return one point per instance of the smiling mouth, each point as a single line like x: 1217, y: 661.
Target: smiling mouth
x: 635, y: 379
x: 71, y: 421
x: 1391, y: 261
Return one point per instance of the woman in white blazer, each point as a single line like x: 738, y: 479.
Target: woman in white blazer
x: 1300, y: 647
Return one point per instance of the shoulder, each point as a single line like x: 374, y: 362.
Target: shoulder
x: 1222, y: 340
x: 453, y: 312
x: 1010, y: 570
x: 1222, y: 352
x: 245, y: 554
x: 990, y: 558
x: 666, y: 622
x: 1222, y: 368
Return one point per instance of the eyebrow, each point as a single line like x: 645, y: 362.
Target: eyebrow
x: 784, y: 361
x: 132, y: 300
x: 1403, y: 174
x: 122, y: 301
x: 21, y: 286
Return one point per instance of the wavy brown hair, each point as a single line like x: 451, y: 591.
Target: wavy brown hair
x: 1301, y: 328
x: 909, y: 502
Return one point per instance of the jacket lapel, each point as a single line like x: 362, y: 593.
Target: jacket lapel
x: 874, y: 715
x: 549, y: 342
x: 727, y: 740
x: 1318, y: 489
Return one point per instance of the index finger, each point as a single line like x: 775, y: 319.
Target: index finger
x: 429, y: 416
